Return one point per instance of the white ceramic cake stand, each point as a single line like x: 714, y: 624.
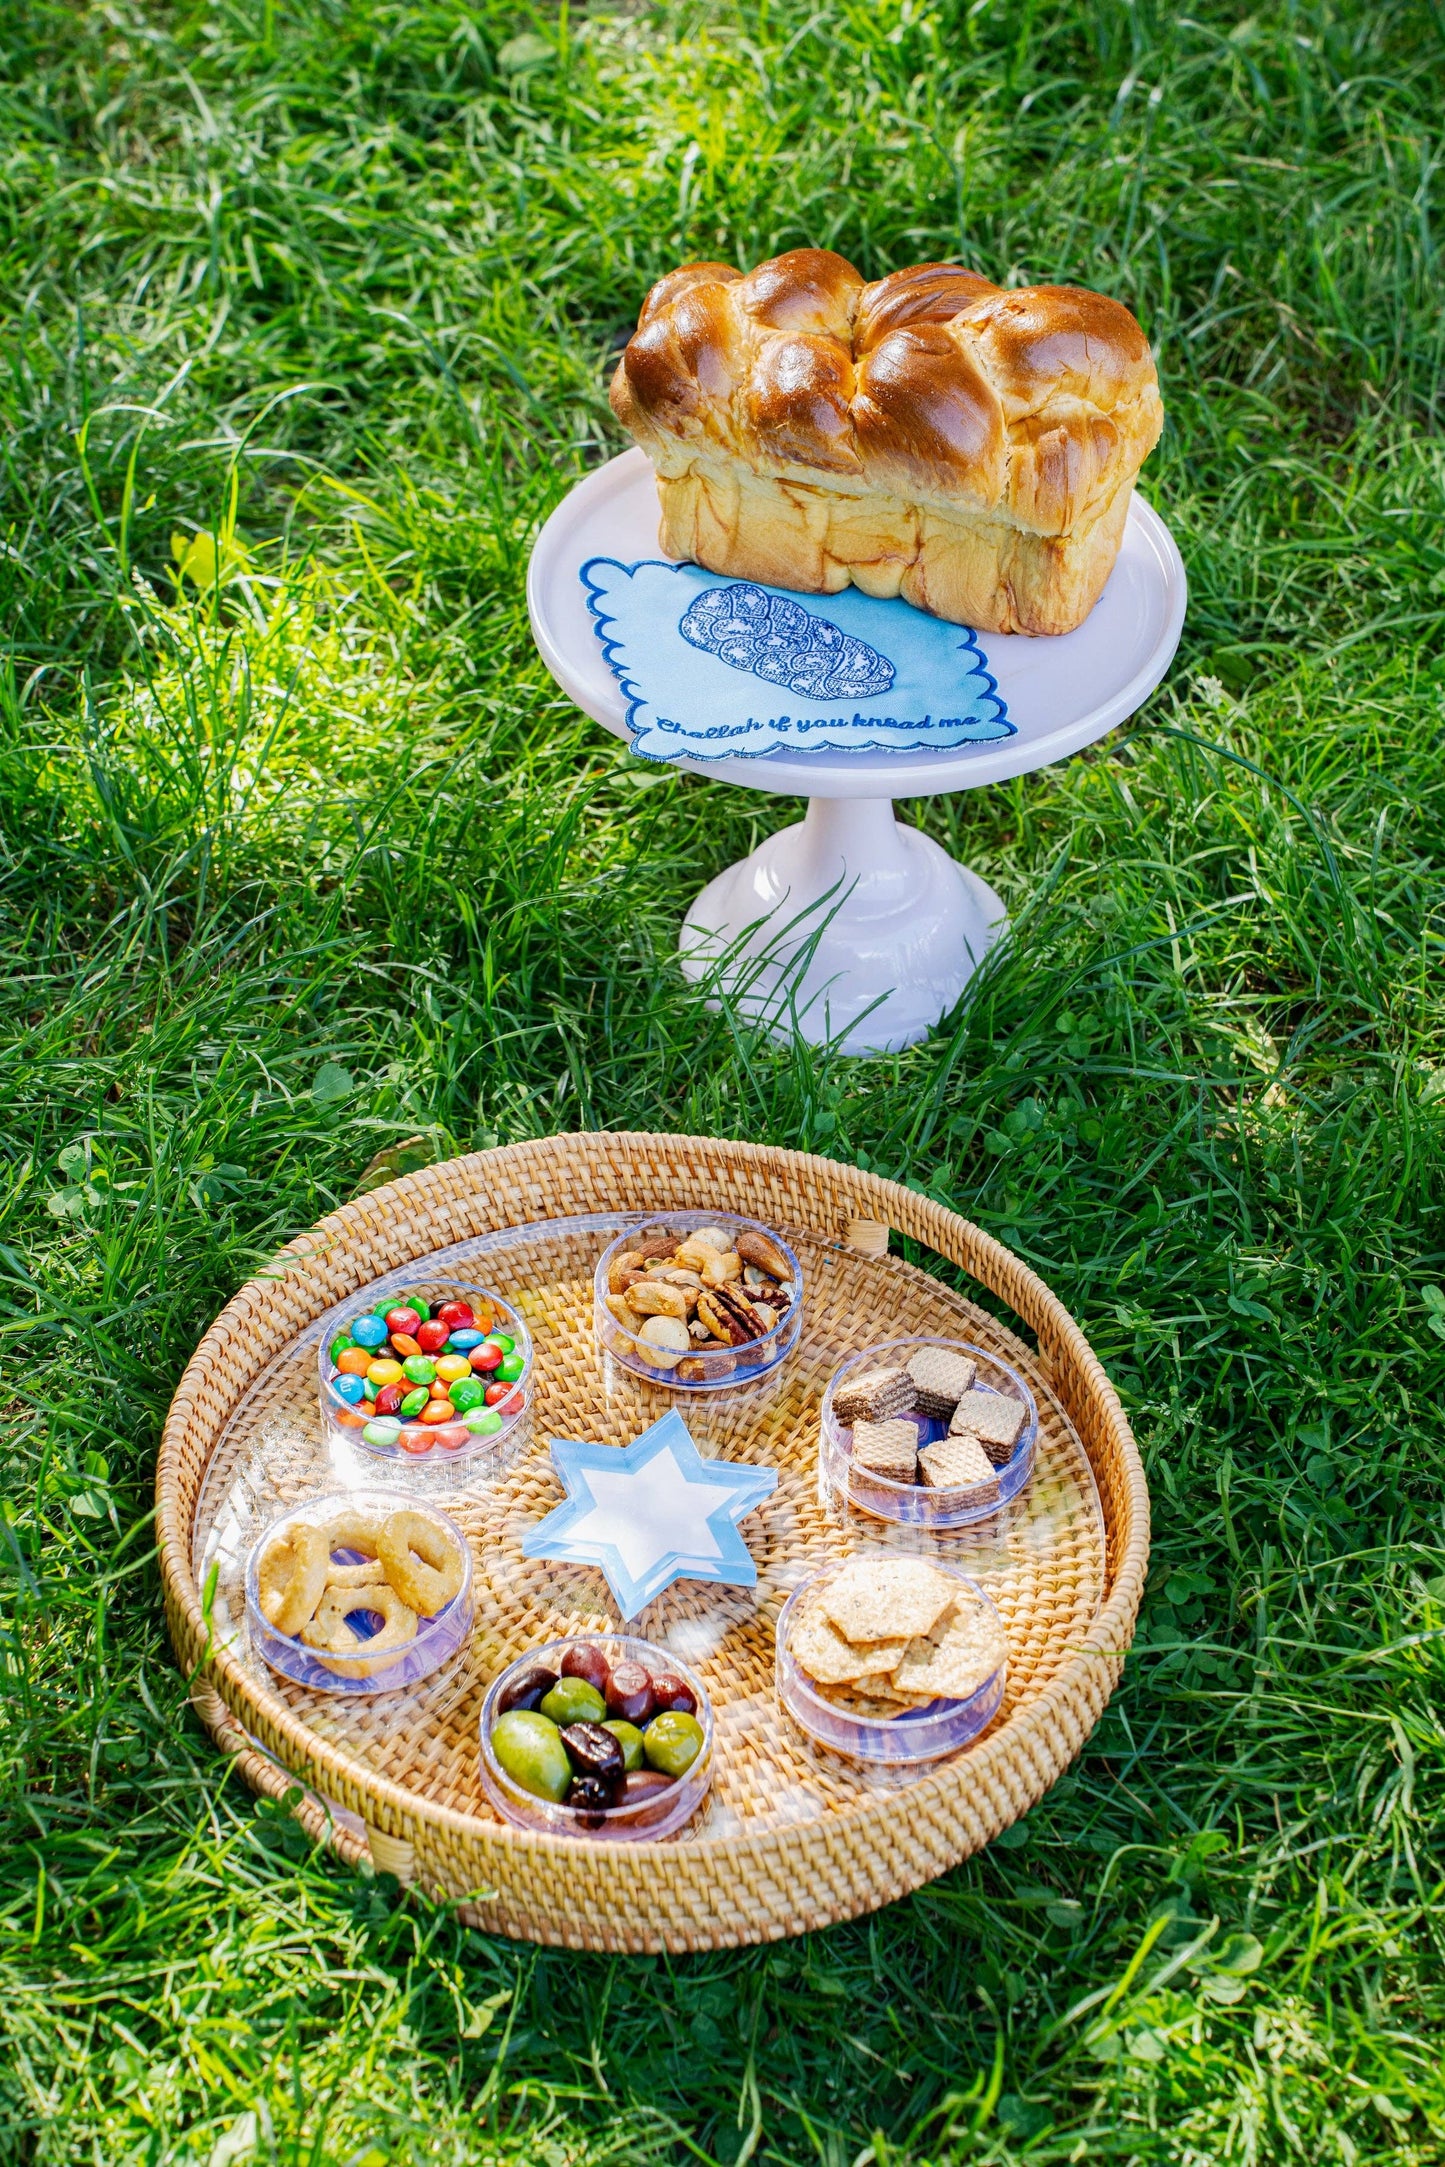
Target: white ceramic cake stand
x: 848, y: 927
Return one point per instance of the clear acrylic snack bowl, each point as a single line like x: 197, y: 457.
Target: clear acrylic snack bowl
x: 436, y: 1640
x: 411, y: 1445
x: 919, y: 1734
x: 685, y: 1372
x: 913, y: 1504
x: 655, y: 1817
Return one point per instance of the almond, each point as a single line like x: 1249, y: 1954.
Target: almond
x: 694, y: 1370
x: 756, y: 1247
x: 617, y: 1271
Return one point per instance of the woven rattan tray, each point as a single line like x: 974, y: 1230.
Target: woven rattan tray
x: 793, y: 1837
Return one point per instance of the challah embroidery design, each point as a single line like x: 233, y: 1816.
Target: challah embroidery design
x: 783, y: 643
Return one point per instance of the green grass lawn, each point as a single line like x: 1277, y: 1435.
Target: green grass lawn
x: 296, y: 873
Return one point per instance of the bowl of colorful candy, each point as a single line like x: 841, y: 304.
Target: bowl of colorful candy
x: 442, y: 1370
x: 698, y: 1301
x: 603, y: 1735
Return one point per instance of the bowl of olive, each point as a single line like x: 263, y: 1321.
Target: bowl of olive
x: 602, y: 1736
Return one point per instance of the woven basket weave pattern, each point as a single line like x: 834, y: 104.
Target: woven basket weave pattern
x: 795, y: 1839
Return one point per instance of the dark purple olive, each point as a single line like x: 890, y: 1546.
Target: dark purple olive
x: 594, y: 1751
x: 645, y: 1783
x: 670, y: 1693
x: 528, y: 1691
x: 586, y: 1660
x: 591, y: 1796
x: 631, y: 1696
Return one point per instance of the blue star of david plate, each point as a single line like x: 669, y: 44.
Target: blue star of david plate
x: 713, y: 667
x: 650, y: 1513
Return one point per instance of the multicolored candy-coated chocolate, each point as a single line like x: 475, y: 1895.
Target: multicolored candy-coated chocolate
x: 434, y: 1373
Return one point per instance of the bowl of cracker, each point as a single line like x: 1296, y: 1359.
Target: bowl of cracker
x: 363, y: 1591
x: 891, y: 1659
x: 932, y: 1433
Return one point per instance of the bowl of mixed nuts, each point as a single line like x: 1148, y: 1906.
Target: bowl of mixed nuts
x: 698, y: 1300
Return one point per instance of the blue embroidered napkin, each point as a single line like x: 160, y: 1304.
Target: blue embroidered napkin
x: 715, y: 667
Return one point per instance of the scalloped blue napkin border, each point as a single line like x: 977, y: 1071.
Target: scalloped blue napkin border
x: 716, y: 668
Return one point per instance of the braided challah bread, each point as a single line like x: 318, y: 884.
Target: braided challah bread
x: 932, y: 435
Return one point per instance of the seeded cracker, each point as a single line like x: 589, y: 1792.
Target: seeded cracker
x: 819, y: 1648
x: 941, y: 1379
x: 872, y: 1699
x: 958, y: 1657
x: 993, y: 1419
x: 874, y: 1396
x: 875, y: 1598
x: 957, y: 1463
x: 887, y: 1448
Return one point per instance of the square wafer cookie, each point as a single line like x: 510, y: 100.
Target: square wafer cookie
x: 887, y: 1448
x: 874, y: 1396
x: 940, y: 1379
x: 993, y: 1419
x: 957, y: 1463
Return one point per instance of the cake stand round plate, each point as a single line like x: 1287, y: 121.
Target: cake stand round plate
x: 792, y: 1837
x: 849, y: 927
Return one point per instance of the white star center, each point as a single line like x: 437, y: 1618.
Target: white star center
x: 650, y: 1514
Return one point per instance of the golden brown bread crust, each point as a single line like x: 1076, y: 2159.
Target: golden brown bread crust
x: 970, y: 447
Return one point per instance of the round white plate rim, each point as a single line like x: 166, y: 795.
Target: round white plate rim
x: 583, y: 673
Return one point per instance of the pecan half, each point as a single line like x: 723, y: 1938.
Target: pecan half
x: 727, y: 1316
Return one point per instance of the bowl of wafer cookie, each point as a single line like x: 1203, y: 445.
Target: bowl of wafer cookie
x: 931, y: 1433
x: 890, y: 1658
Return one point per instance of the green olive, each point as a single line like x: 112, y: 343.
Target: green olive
x: 672, y: 1742
x: 530, y: 1749
x: 573, y: 1700
x: 629, y: 1737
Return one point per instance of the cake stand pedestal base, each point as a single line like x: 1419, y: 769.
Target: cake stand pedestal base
x: 845, y: 928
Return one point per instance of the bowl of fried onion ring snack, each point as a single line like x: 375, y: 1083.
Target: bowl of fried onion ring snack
x: 363, y: 1591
